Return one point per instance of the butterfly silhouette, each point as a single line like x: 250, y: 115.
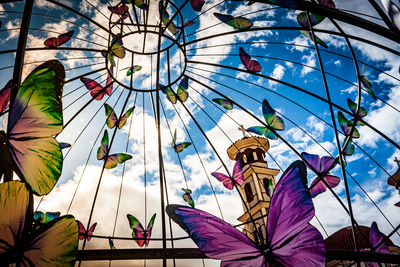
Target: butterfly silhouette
x: 49, y: 240
x: 85, y: 234
x: 187, y: 196
x: 290, y: 239
x: 228, y: 182
x: 322, y: 166
x: 111, y: 161
x: 141, y: 235
x: 238, y: 23
x: 112, y: 119
x: 226, y: 103
x: 29, y: 148
x: 96, y: 90
x: 249, y: 63
x: 179, y: 147
x: 59, y: 40
x: 273, y: 121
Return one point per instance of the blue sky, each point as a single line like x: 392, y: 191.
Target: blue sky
x: 282, y: 53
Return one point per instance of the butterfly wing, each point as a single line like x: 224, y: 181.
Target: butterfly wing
x: 119, y: 10
x: 312, y: 161
x: 375, y: 238
x: 226, y: 103
x: 180, y: 147
x: 188, y: 23
x: 274, y: 121
x: 165, y: 19
x: 184, y: 84
x: 188, y: 198
x: 349, y: 149
x: 216, y: 238
x: 317, y: 39
x: 5, y: 96
x: 90, y: 231
x: 35, y: 117
x: 237, y: 173
x: 111, y: 243
x: 64, y: 145
x: 353, y: 107
x: 120, y: 20
x: 109, y: 82
x: 292, y: 239
x: 124, y: 118
x: 250, y: 64
x: 173, y: 140
x: 315, y: 19
x: 238, y: 23
x: 102, y: 151
x: 111, y: 116
x: 137, y: 229
x: 182, y: 94
x: 327, y: 3
x: 65, y: 37
x: 81, y: 230
x: 150, y: 228
x: 14, y: 205
x: 367, y: 85
x: 197, y: 4
x: 114, y: 159
x: 261, y: 130
x: 170, y: 94
x: 51, y: 42
x: 224, y: 179
x: 54, y: 244
x: 49, y: 216
x: 96, y: 90
x: 318, y: 186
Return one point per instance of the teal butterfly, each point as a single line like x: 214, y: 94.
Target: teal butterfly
x: 273, y: 121
x: 180, y: 94
x: 165, y: 19
x: 112, y: 119
x: 187, y: 196
x: 346, y: 126
x: 361, y: 113
x: 111, y: 161
x: 226, y: 103
x: 133, y: 69
x: 179, y: 147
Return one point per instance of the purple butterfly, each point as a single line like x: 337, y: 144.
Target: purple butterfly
x: 375, y: 239
x: 322, y: 166
x: 228, y: 182
x: 197, y: 4
x: 291, y: 240
x: 250, y: 64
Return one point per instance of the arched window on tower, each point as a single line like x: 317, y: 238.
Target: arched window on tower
x: 248, y: 192
x: 266, y: 183
x: 250, y: 157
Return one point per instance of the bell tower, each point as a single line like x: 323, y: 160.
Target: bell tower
x: 258, y: 180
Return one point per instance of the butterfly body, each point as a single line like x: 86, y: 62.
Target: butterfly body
x: 141, y: 235
x: 229, y: 182
x: 110, y: 161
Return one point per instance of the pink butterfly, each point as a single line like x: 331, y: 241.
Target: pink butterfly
x: 250, y: 64
x: 141, y: 235
x: 5, y: 96
x: 85, y: 234
x: 227, y: 181
x: 59, y: 40
x: 96, y: 90
x: 119, y: 10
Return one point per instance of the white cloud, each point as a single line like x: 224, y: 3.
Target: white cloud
x: 277, y: 73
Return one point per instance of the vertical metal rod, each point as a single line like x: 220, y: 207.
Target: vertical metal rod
x: 20, y: 54
x: 160, y: 157
x: 328, y: 96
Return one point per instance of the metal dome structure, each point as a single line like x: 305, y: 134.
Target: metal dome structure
x: 140, y: 75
